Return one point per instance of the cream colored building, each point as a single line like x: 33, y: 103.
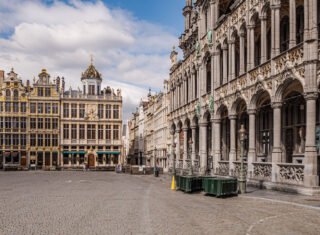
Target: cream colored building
x: 91, y: 124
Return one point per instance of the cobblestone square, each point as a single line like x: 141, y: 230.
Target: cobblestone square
x: 109, y: 203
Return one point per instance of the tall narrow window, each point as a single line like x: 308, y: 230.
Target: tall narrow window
x: 55, y: 108
x: 47, y: 123
x: 54, y: 123
x: 81, y: 132
x: 115, y: 132
x: 300, y: 24
x: 23, y: 123
x: 82, y: 111
x: 40, y: 123
x: 33, y: 124
x: 74, y: 131
x: 33, y: 139
x: 65, y: 110
x: 40, y: 91
x: 209, y: 76
x: 91, y: 90
x: 47, y: 140
x: 100, y: 111
x: 15, y: 107
x: 54, y: 140
x: 284, y: 34
x: 66, y: 131
x: 23, y: 140
x: 116, y: 111
x: 108, y: 132
x: 23, y: 107
x: 108, y: 111
x: 74, y: 110
x: 100, y: 132
x: 91, y: 132
x: 33, y: 107
x: 48, y: 91
x: 8, y: 107
x: 40, y: 139
x: 48, y: 108
x: 40, y: 107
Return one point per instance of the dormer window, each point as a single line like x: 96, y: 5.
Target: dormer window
x: 91, y: 90
x: 48, y: 91
x: 40, y: 91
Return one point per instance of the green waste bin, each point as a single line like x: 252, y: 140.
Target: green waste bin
x: 156, y: 173
x: 220, y: 186
x: 190, y: 184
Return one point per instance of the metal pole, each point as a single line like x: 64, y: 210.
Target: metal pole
x: 154, y: 161
x: 242, y: 175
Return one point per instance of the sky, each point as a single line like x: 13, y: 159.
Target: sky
x: 130, y: 41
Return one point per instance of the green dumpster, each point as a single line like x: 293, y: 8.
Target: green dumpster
x: 190, y: 184
x: 177, y: 179
x: 220, y: 186
x: 156, y: 173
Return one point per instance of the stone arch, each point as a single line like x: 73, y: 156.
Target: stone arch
x: 186, y: 123
x: 206, y: 116
x: 264, y: 9
x: 179, y: 125
x: 194, y: 121
x: 289, y: 85
x: 256, y: 98
x: 254, y: 17
x: 235, y: 106
x: 222, y: 111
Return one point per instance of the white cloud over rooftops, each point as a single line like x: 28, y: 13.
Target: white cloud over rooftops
x: 131, y: 54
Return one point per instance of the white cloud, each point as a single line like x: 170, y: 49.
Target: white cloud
x: 131, y: 54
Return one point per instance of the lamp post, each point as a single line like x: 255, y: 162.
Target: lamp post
x: 242, y: 175
x: 190, y: 168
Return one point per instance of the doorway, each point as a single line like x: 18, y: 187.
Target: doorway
x: 91, y: 160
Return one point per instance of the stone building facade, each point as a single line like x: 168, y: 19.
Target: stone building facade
x: 91, y: 124
x: 149, y: 131
x: 48, y: 127
x: 252, y: 63
x: 43, y: 122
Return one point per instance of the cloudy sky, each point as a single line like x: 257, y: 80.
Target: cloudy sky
x: 130, y: 41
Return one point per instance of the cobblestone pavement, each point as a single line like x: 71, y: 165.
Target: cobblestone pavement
x: 108, y: 203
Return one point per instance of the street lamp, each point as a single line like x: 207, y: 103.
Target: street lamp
x: 242, y: 176
x: 190, y: 168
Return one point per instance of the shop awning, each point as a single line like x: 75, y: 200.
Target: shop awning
x: 74, y: 152
x: 116, y: 153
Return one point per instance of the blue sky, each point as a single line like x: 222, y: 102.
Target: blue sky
x: 130, y: 40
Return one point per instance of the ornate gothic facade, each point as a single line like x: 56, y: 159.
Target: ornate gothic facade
x: 254, y: 63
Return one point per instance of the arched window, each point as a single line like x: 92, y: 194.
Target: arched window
x: 209, y: 76
x: 8, y: 93
x: 300, y: 24
x: 15, y: 94
x: 284, y: 34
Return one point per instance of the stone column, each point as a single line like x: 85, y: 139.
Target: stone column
x: 242, y: 35
x: 276, y: 153
x: 233, y: 59
x: 178, y: 147
x: 217, y: 69
x: 213, y: 130
x: 203, y: 147
x: 217, y: 145
x: 252, y: 141
x: 233, y: 149
x: 293, y: 21
x: 311, y: 178
x: 250, y: 47
x: 225, y: 64
x: 172, y: 149
x: 194, y: 141
x: 275, y: 25
x: 185, y: 147
x: 263, y: 39
x: 230, y: 59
